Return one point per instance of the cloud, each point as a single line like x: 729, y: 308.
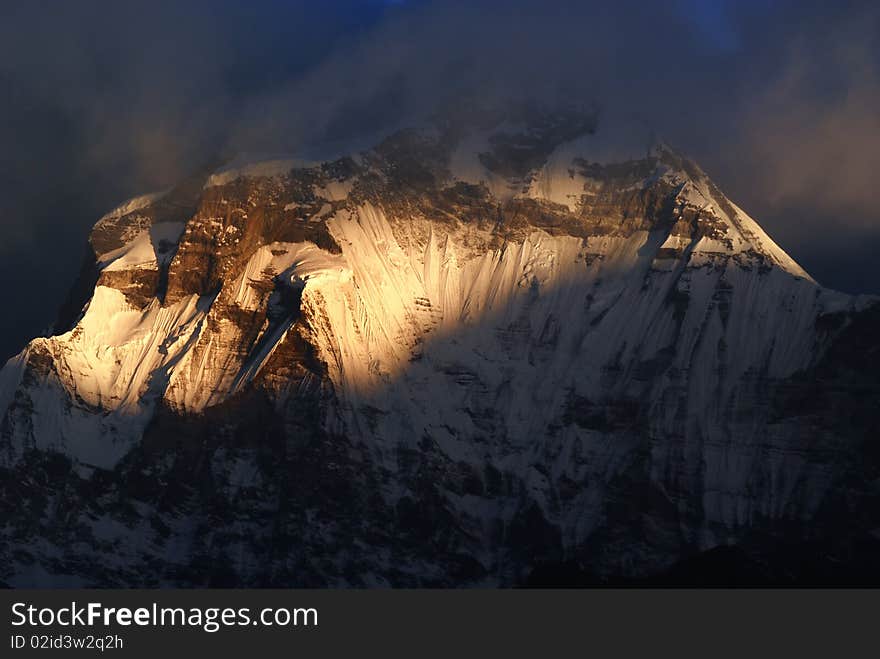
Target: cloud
x: 784, y: 92
x: 437, y: 55
x: 104, y: 100
x: 813, y: 128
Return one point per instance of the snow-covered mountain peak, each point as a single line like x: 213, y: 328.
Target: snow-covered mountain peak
x: 429, y: 233
x: 572, y: 162
x: 506, y: 335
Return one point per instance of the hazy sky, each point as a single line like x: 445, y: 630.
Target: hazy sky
x: 100, y: 101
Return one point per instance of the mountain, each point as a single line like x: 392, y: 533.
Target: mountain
x: 483, y: 351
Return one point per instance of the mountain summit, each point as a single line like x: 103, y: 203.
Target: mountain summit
x: 475, y: 350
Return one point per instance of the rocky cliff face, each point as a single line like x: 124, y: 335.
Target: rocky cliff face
x: 476, y: 349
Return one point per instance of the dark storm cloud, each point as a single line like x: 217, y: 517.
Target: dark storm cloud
x: 800, y: 144
x: 104, y: 100
x: 439, y: 54
x: 152, y: 86
x: 790, y: 87
x: 814, y: 126
x: 100, y: 101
